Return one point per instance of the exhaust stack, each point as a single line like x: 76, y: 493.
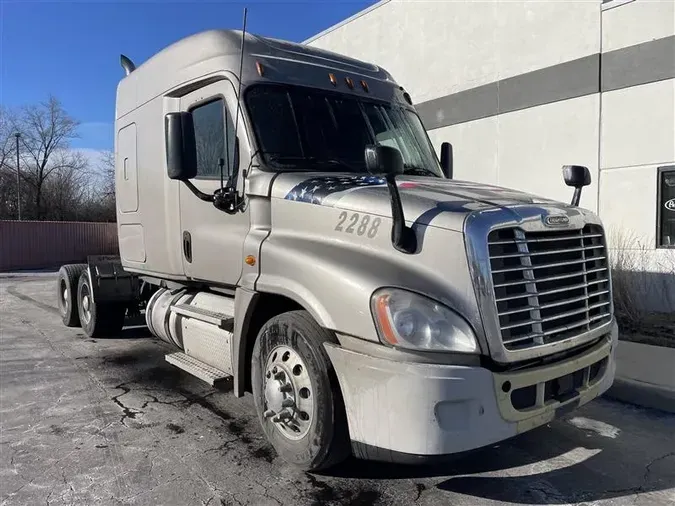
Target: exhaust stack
x: 127, y: 64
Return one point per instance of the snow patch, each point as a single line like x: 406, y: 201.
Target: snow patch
x: 600, y: 428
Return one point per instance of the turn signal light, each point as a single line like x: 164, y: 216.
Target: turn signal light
x: 259, y: 68
x: 250, y: 260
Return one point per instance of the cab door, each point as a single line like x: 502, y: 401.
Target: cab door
x: 212, y: 239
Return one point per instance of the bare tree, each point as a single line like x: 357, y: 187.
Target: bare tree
x: 66, y: 188
x: 103, y: 196
x: 46, y: 131
x: 107, y: 173
x: 8, y: 186
x: 57, y: 182
x: 6, y: 138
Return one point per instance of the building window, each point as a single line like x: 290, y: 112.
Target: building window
x: 213, y: 131
x: 665, y: 214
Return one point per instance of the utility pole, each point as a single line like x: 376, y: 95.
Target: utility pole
x: 18, y: 176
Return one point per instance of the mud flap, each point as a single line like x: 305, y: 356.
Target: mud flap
x: 109, y: 281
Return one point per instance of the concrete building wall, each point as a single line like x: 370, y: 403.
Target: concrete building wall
x: 521, y: 88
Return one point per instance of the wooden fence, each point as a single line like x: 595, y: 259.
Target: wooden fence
x: 49, y: 244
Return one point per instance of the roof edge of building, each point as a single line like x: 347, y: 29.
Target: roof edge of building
x: 346, y: 21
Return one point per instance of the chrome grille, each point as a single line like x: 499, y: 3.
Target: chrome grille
x: 550, y: 285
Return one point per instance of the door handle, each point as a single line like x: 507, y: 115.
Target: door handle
x: 187, y: 246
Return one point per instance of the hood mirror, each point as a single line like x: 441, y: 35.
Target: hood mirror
x: 447, y: 159
x: 384, y: 160
x: 388, y: 162
x: 576, y: 176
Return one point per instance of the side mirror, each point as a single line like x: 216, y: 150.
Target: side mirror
x: 384, y: 160
x: 181, y: 150
x: 388, y: 161
x: 446, y: 159
x: 576, y: 176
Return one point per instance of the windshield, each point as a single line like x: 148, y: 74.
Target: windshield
x: 310, y: 129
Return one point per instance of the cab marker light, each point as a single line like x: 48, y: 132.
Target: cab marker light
x: 349, y: 82
x: 364, y: 85
x: 259, y: 68
x: 333, y: 80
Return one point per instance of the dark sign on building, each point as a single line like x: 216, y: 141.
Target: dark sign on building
x: 665, y: 214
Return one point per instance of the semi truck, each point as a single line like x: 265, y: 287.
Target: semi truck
x: 286, y: 225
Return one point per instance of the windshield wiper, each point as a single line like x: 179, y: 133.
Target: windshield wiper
x: 310, y: 160
x: 418, y: 171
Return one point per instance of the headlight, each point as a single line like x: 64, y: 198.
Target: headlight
x: 408, y: 320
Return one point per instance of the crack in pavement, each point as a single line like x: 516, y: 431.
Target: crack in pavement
x: 127, y: 412
x: 188, y: 400
x: 420, y: 488
x: 648, y: 467
x: 224, y: 446
x: 642, y: 488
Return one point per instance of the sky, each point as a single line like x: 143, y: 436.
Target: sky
x: 71, y: 48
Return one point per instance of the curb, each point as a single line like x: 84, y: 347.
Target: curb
x: 642, y: 394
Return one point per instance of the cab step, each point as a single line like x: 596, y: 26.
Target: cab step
x: 197, y: 368
x: 221, y: 320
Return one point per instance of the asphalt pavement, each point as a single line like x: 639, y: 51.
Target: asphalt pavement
x: 109, y: 422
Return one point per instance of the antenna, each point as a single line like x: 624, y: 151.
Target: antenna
x: 241, y: 70
x: 228, y: 201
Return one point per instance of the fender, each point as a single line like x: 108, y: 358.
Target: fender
x: 245, y: 305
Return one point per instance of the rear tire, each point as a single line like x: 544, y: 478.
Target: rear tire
x: 66, y: 288
x: 292, y: 374
x: 98, y: 319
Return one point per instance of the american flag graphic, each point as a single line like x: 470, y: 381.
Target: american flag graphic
x: 317, y: 190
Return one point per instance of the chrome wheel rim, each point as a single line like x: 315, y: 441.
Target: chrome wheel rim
x: 289, y: 393
x: 86, y: 304
x: 65, y: 294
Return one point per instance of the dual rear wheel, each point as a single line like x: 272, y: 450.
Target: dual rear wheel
x: 78, y: 308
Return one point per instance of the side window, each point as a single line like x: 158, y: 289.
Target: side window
x: 665, y: 215
x: 214, y: 136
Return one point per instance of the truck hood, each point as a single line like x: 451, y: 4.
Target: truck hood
x: 431, y: 201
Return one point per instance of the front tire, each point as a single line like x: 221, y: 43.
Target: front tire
x: 66, y: 286
x: 97, y: 319
x: 296, y: 394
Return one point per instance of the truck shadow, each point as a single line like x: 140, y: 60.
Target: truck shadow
x: 572, y: 465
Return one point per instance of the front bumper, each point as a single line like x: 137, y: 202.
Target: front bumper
x: 400, y: 410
